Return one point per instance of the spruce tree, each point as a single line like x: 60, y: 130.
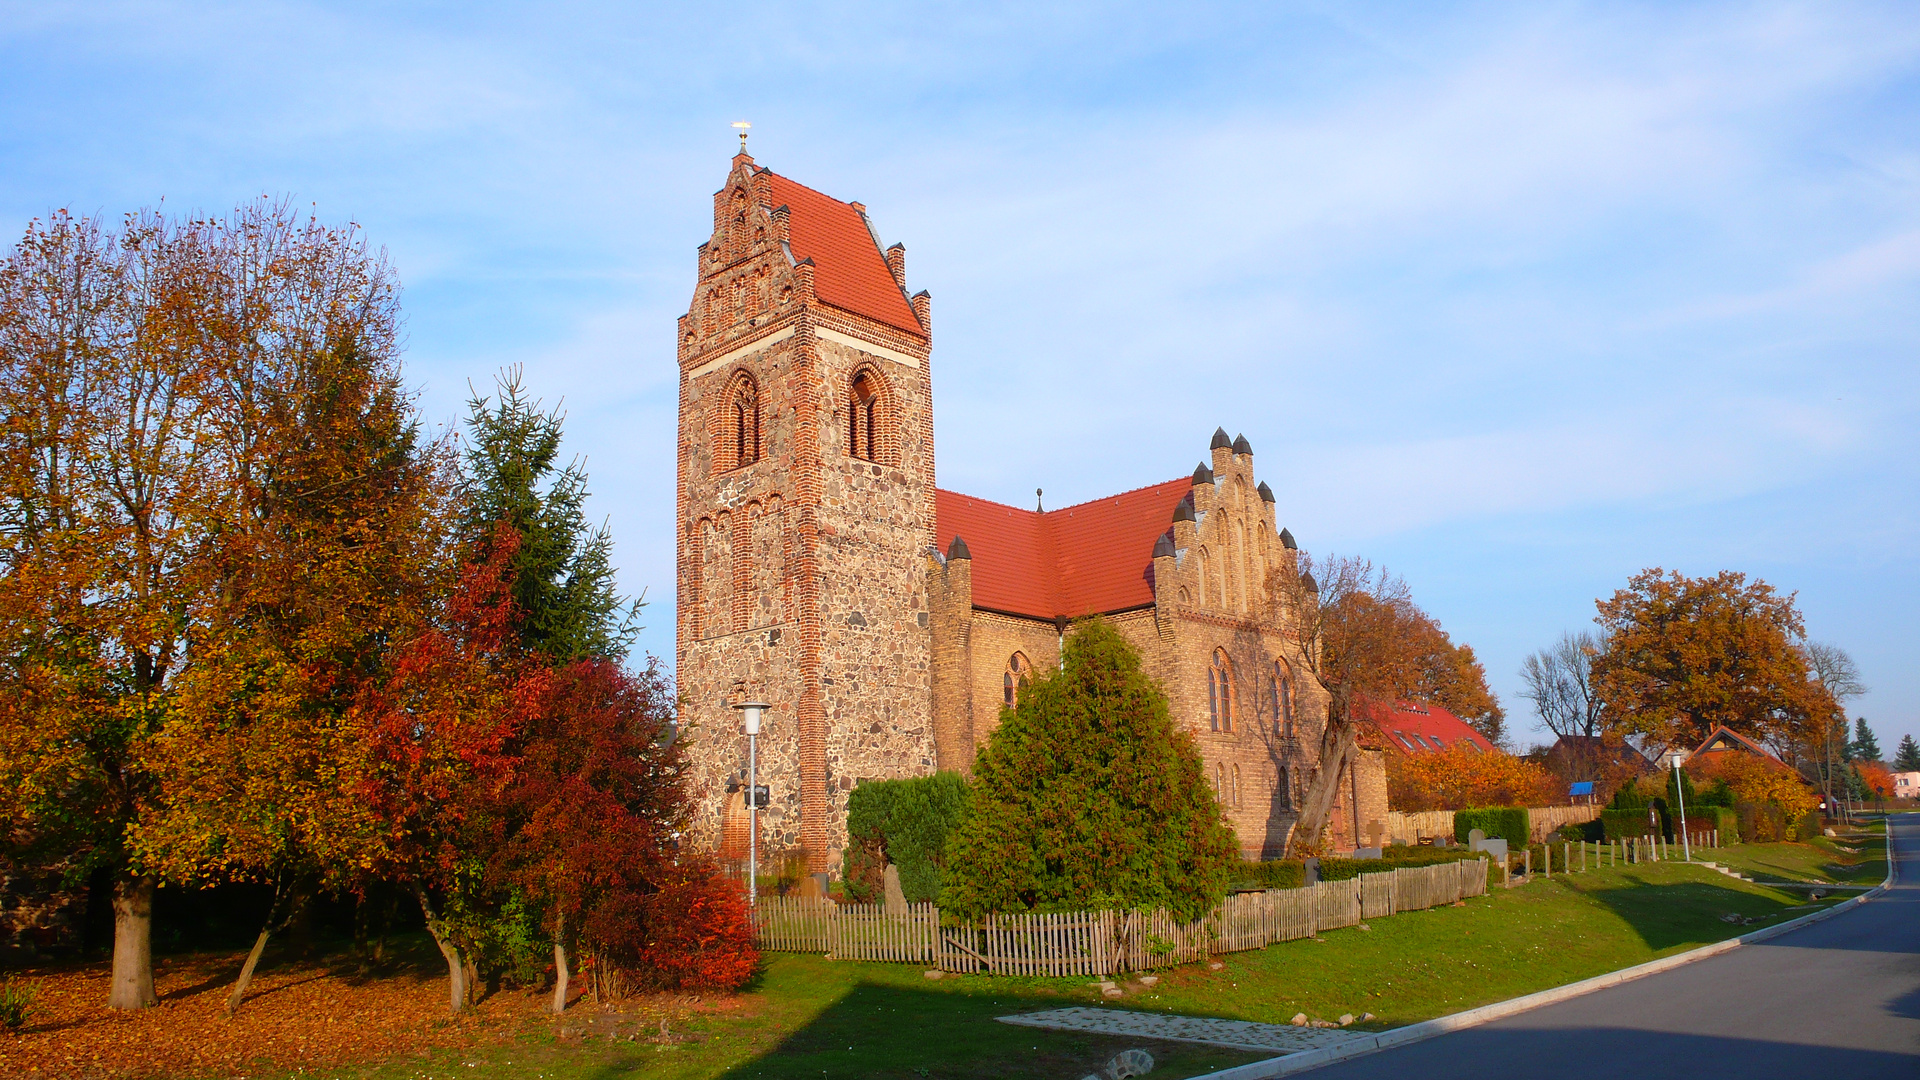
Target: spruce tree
x: 1865, y: 746
x: 1087, y: 797
x: 1907, y: 757
x: 563, y: 588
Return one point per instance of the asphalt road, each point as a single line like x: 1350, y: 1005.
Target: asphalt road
x: 1838, y: 998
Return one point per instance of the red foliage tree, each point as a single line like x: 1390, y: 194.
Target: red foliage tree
x: 588, y: 830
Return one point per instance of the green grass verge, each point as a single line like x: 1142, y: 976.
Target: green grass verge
x: 809, y: 1018
x: 1855, y: 859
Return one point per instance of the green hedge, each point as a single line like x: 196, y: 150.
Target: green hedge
x: 1703, y: 818
x: 1763, y: 823
x: 1503, y: 821
x: 1807, y: 826
x: 1630, y: 824
x: 1392, y: 858
x: 904, y: 822
x: 1271, y: 874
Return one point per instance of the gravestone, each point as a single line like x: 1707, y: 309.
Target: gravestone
x: 1496, y: 846
x: 1474, y: 837
x: 1376, y: 833
x: 1367, y: 853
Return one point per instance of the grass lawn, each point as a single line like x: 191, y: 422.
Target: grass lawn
x: 1853, y: 859
x: 810, y: 1018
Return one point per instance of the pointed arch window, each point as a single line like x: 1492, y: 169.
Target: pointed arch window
x: 1013, y: 682
x: 1280, y: 695
x: 746, y: 421
x: 1236, y: 787
x: 1220, y: 692
x: 863, y: 407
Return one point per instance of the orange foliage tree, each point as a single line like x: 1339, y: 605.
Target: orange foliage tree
x: 1683, y: 654
x: 1755, y: 779
x: 1457, y: 777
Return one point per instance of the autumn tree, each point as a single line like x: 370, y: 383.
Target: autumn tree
x: 1360, y: 635
x: 1685, y: 654
x: 1088, y: 796
x: 1452, y: 677
x: 434, y: 734
x: 1459, y: 777
x: 589, y: 827
x: 110, y: 529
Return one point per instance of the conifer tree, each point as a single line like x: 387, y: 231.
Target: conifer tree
x: 1865, y: 746
x: 1088, y: 797
x: 563, y: 586
x: 1907, y: 757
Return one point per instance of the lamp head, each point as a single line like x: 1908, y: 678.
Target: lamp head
x: 750, y: 713
x: 1677, y: 758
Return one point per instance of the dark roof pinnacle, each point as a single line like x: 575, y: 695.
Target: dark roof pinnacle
x: 1266, y: 493
x: 1242, y: 446
x: 1184, y: 511
x: 1220, y: 439
x: 1202, y: 474
x: 1163, y: 547
x: 958, y: 550
x: 1286, y: 541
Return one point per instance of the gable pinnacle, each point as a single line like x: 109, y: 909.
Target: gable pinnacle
x: 1220, y: 440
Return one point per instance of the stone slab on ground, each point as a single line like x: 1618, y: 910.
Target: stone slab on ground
x: 1234, y: 1034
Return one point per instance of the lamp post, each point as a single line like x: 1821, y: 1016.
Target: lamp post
x: 750, y: 713
x: 1686, y: 849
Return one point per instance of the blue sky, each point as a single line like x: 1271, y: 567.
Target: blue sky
x: 1515, y: 299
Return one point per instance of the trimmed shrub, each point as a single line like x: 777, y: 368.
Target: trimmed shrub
x: 1391, y: 859
x: 905, y: 822
x: 1807, y: 826
x: 1762, y: 823
x: 1271, y: 874
x: 1702, y: 818
x: 1627, y: 824
x: 1087, y: 796
x: 1503, y: 821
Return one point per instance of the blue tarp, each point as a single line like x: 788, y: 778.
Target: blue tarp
x: 1584, y: 787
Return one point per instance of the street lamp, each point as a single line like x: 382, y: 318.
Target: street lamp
x: 1686, y: 849
x: 750, y: 714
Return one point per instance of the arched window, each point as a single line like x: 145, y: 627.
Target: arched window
x: 1220, y: 692
x: 743, y: 421
x: 1282, y: 789
x: 863, y: 405
x: 1014, y: 680
x: 1236, y: 786
x: 1220, y: 782
x: 1280, y: 694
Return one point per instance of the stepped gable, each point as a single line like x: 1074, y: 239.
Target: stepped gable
x: 1079, y: 560
x: 849, y: 270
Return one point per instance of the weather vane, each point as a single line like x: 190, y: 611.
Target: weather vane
x: 742, y: 126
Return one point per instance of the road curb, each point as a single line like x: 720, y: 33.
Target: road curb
x: 1289, y: 1064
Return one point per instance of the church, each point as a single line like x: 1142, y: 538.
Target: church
x: 886, y: 620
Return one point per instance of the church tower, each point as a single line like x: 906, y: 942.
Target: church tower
x: 805, y: 511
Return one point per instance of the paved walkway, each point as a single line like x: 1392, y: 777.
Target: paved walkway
x: 1237, y: 1034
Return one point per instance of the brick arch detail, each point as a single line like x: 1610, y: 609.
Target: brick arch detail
x: 721, y: 429
x: 886, y: 414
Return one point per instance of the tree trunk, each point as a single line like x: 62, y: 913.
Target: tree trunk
x: 132, y: 986
x: 1336, y: 746
x: 456, y: 963
x: 245, y: 980
x: 560, y: 968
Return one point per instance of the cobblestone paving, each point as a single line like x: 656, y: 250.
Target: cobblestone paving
x: 1238, y: 1034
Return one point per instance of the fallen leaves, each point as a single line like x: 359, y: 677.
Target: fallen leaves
x: 298, y: 1013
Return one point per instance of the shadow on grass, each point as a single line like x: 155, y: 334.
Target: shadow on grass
x: 878, y: 1030
x: 1666, y: 915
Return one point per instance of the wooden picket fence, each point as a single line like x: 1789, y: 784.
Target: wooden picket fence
x: 1103, y: 942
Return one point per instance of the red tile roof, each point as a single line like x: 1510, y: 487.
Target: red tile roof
x: 849, y: 270
x: 1088, y: 559
x: 1420, y: 728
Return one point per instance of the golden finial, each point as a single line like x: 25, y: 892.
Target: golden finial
x: 742, y: 126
